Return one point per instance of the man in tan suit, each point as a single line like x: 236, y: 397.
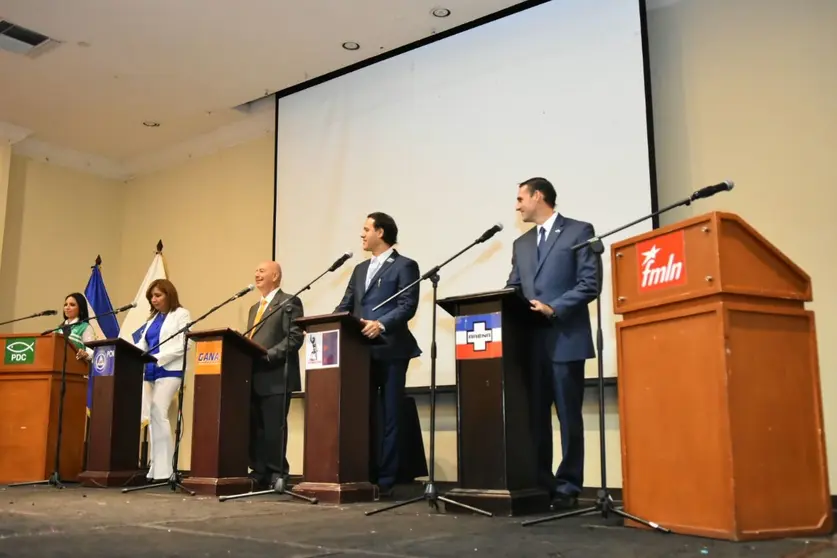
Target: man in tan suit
x: 271, y: 391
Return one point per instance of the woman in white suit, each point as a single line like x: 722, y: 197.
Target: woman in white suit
x: 164, y: 377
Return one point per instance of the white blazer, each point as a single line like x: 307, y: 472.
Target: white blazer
x: 170, y: 356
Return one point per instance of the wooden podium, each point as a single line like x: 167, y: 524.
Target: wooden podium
x: 497, y: 468
x: 221, y: 423
x: 335, y: 465
x: 113, y: 445
x: 719, y: 388
x: 30, y: 390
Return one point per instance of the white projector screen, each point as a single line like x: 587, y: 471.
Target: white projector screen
x: 439, y: 137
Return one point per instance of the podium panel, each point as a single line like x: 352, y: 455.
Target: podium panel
x: 113, y: 446
x: 30, y: 391
x: 337, y: 406
x: 221, y: 421
x: 719, y: 390
x: 497, y: 469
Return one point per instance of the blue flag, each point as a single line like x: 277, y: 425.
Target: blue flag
x: 98, y: 302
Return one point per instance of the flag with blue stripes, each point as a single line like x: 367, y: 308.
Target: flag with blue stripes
x: 107, y: 327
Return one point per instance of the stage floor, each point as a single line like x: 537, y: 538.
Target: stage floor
x: 92, y: 523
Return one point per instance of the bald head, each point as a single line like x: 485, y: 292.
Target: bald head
x: 268, y: 276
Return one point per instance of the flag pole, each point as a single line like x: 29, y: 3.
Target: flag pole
x: 96, y: 263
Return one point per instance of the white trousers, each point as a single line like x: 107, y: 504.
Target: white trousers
x: 159, y: 395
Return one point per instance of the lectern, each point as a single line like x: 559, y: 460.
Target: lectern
x: 113, y: 447
x: 335, y: 465
x: 30, y: 389
x: 719, y: 389
x: 497, y: 450
x: 221, y: 422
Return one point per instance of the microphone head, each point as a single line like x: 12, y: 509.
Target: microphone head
x: 499, y: 226
x: 133, y: 305
x: 348, y: 254
x: 49, y: 312
x: 730, y: 184
x: 250, y: 287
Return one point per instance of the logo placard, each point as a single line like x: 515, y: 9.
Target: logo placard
x: 103, y: 358
x: 322, y: 350
x: 479, y: 336
x: 208, y: 357
x: 662, y: 261
x: 19, y: 350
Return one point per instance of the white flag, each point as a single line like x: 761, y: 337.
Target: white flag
x: 137, y: 317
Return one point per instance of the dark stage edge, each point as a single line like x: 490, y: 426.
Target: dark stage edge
x: 96, y: 523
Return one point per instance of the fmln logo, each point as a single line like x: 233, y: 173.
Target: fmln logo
x: 662, y: 261
x: 19, y: 350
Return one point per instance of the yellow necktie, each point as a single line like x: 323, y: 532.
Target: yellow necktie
x: 259, y: 315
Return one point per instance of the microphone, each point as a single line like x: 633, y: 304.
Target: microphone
x: 243, y: 291
x: 45, y: 313
x: 126, y: 307
x: 490, y: 232
x: 708, y: 191
x: 340, y: 261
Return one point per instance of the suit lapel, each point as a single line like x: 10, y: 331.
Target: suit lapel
x: 276, y: 301
x: 382, y: 270
x: 551, y: 239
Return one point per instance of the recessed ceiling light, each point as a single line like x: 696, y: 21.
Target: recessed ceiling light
x: 441, y: 12
x: 151, y: 124
x: 349, y: 45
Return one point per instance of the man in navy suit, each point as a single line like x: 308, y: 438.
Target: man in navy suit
x: 372, y: 282
x: 560, y: 284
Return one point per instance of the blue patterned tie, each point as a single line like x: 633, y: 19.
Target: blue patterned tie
x: 541, y: 244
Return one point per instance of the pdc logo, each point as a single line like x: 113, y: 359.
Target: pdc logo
x: 19, y: 351
x: 103, y: 361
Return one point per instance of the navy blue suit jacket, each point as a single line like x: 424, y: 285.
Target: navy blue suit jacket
x: 566, y: 280
x: 396, y: 273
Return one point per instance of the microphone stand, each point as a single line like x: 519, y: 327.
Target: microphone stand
x: 604, y: 501
x: 35, y: 315
x: 55, y: 478
x: 280, y: 486
x: 176, y: 478
x: 431, y: 493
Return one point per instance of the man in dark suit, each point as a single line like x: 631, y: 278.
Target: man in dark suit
x: 372, y: 282
x: 270, y: 400
x: 560, y: 284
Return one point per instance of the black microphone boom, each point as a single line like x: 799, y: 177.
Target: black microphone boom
x: 704, y: 192
x: 340, y: 261
x: 96, y: 317
x: 490, y: 232
x: 35, y: 315
x: 708, y: 191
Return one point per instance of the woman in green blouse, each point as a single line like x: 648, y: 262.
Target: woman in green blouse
x: 75, y: 315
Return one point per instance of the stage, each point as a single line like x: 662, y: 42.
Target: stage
x: 43, y: 522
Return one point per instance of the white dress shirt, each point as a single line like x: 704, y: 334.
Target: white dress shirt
x: 547, y: 228
x: 375, y: 263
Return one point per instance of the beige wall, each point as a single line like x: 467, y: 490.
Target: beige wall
x: 743, y: 89
x: 56, y: 222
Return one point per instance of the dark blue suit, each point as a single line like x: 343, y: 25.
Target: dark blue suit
x: 390, y: 360
x: 567, y: 281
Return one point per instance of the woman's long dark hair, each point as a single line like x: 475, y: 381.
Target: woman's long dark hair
x: 81, y: 302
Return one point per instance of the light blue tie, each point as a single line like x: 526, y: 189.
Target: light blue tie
x: 370, y: 273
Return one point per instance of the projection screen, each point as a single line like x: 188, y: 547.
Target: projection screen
x: 439, y: 137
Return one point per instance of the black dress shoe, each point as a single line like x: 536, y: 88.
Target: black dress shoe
x: 563, y: 502
x: 259, y: 480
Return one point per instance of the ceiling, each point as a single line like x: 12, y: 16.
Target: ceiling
x: 81, y: 102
